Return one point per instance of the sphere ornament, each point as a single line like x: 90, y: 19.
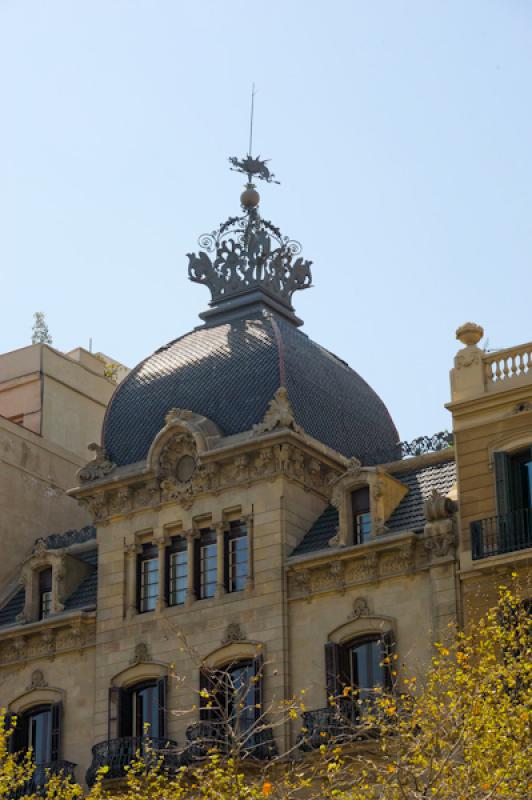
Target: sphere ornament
x: 249, y: 198
x: 470, y: 333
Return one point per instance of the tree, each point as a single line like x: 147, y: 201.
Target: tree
x: 40, y: 332
x: 464, y: 734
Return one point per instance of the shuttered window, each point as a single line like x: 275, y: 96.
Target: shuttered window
x: 140, y: 710
x: 354, y: 670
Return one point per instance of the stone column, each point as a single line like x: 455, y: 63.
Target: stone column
x: 248, y: 522
x: 220, y: 528
x: 160, y: 541
x: 191, y: 537
x: 131, y: 580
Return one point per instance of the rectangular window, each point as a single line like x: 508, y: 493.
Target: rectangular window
x: 236, y: 557
x: 45, y: 593
x: 207, y: 564
x: 148, y: 578
x: 361, y: 515
x: 177, y: 572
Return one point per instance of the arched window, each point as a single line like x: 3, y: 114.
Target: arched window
x: 141, y: 709
x: 356, y: 669
x: 39, y: 728
x: 232, y: 695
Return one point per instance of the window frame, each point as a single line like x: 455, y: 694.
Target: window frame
x: 361, y: 514
x: 178, y: 545
x: 148, y: 554
x: 45, y: 594
x: 207, y: 538
x: 237, y: 531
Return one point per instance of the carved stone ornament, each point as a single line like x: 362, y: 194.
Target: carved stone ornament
x: 360, y: 608
x: 141, y: 655
x: 521, y: 407
x: 40, y: 550
x: 438, y: 506
x: 178, y: 467
x: 233, y: 633
x: 467, y: 357
x: 279, y: 414
x: 37, y: 680
x: 99, y: 467
x: 440, y: 538
x: 178, y: 415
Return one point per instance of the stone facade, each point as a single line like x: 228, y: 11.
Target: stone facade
x: 309, y: 580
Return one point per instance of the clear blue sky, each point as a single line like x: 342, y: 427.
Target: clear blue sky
x: 401, y: 132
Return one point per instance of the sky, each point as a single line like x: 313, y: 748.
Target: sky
x: 401, y: 133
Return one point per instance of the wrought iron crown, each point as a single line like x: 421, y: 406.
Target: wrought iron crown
x: 249, y: 255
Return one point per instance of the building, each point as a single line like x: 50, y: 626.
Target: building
x: 254, y: 512
x: 51, y: 407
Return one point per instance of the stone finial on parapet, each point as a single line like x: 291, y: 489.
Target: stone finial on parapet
x: 467, y: 377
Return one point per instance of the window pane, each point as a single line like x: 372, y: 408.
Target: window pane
x: 363, y: 527
x: 238, y: 563
x: 146, y: 711
x: 40, y: 735
x: 178, y: 577
x: 208, y: 570
x: 46, y: 605
x: 149, y: 584
x: 240, y: 697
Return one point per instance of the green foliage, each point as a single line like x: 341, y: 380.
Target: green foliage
x: 40, y: 332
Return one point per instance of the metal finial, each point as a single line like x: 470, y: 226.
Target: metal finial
x: 252, y: 112
x: 252, y: 167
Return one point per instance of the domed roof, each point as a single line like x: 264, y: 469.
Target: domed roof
x: 230, y: 371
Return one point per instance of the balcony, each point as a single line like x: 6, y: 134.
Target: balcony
x: 117, y: 754
x: 203, y: 737
x: 334, y: 724
x: 505, y: 533
x: 39, y: 780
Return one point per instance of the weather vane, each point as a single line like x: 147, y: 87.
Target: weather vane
x: 252, y: 167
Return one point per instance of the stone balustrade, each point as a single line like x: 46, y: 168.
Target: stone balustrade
x: 504, y: 365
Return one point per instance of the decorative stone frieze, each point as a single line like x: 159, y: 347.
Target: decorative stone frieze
x: 60, y: 635
x: 399, y: 556
x: 184, y: 474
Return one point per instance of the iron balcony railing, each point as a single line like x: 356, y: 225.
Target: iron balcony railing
x: 36, y: 785
x: 504, y: 533
x: 337, y: 724
x: 203, y: 737
x: 117, y: 754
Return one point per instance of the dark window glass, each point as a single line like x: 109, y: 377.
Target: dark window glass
x: 39, y: 734
x: 177, y: 572
x: 237, y: 557
x: 361, y: 515
x: 145, y: 710
x: 368, y: 670
x: 45, y: 593
x: 148, y: 578
x: 240, y: 696
x: 207, y: 562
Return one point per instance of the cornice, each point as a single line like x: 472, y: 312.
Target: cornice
x: 48, y: 638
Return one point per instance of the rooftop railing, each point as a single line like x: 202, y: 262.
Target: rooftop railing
x: 505, y: 365
x: 505, y: 533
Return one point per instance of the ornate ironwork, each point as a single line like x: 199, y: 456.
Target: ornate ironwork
x: 427, y: 444
x: 332, y: 725
x: 117, y: 754
x: 37, y: 784
x: 505, y: 533
x: 253, y: 168
x: 249, y: 252
x: 203, y: 737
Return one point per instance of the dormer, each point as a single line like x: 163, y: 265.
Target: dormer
x: 365, y: 498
